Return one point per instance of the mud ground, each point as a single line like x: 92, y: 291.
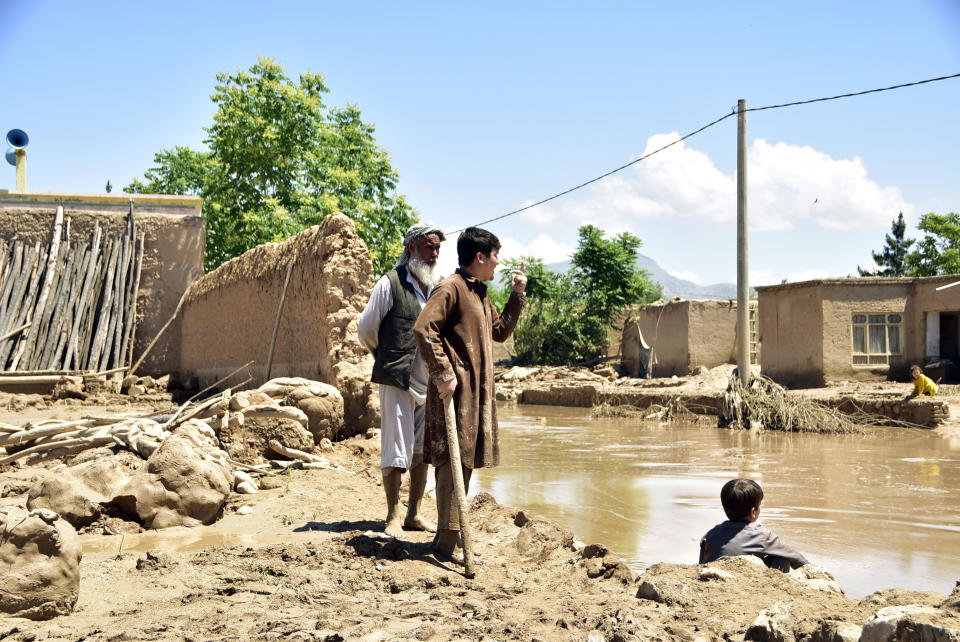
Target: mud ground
x: 310, y: 563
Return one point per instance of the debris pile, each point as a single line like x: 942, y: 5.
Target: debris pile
x: 765, y: 405
x: 69, y: 306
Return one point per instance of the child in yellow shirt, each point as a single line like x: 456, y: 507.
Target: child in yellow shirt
x: 922, y: 384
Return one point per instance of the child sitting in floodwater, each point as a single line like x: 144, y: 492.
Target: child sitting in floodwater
x: 922, y: 384
x: 742, y: 535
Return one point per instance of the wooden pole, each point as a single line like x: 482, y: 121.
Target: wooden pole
x: 743, y: 286
x: 276, y: 323
x: 146, y: 351
x: 126, y: 353
x: 73, y: 338
x: 460, y: 491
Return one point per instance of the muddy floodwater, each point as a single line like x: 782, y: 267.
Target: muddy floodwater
x: 878, y: 511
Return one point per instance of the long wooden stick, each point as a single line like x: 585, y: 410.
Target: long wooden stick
x: 49, y: 280
x: 453, y: 447
x: 15, y: 331
x: 276, y: 323
x: 146, y: 350
x: 73, y: 338
x: 126, y: 350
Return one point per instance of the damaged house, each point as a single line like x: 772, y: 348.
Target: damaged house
x: 828, y: 330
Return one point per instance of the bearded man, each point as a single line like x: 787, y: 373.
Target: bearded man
x: 386, y: 330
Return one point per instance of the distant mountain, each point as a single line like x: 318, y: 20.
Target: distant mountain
x: 672, y: 286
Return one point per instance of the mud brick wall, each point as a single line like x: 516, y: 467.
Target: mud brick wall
x: 929, y: 413
x: 229, y: 314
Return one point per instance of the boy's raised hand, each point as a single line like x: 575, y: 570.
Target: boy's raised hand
x: 519, y: 279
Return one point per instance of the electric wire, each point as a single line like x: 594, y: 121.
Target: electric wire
x: 697, y: 131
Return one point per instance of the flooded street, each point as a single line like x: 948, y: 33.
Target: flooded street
x: 879, y: 511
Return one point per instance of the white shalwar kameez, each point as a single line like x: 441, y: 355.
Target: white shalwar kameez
x: 401, y: 411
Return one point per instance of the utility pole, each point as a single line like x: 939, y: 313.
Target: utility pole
x: 743, y: 286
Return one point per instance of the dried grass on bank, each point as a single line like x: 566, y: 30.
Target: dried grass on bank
x: 765, y: 405
x: 675, y: 410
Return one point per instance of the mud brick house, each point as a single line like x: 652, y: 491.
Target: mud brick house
x: 814, y: 332
x: 174, y: 238
x: 682, y: 334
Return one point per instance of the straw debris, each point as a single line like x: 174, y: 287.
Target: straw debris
x: 765, y: 405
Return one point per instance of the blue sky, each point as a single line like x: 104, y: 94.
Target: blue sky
x: 488, y: 106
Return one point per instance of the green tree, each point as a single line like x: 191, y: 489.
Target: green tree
x: 108, y: 187
x: 570, y: 314
x: 938, y: 252
x: 278, y: 161
x: 892, y: 258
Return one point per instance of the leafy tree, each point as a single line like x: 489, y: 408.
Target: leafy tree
x: 108, y: 187
x: 938, y: 252
x: 278, y: 161
x: 892, y: 259
x: 570, y: 314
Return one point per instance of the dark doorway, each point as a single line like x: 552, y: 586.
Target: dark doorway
x: 950, y: 342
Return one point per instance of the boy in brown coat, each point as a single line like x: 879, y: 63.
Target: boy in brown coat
x: 455, y: 333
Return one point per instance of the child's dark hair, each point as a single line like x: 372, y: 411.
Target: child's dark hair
x: 473, y: 240
x: 738, y: 496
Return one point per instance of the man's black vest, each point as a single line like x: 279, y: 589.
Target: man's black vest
x: 396, y: 348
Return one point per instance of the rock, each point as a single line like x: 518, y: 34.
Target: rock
x: 594, y: 567
x: 184, y: 483
x: 325, y: 445
x: 832, y: 631
x: 699, y: 370
x: 595, y: 550
x: 816, y: 578
x: 246, y: 509
x: 79, y: 493
x: 539, y: 537
x: 248, y: 443
x: 650, y: 591
x: 242, y: 478
x: 708, y: 573
x: 245, y: 488
x: 881, y: 626
x: 68, y: 389
x: 521, y: 518
x: 910, y: 630
x: 772, y: 625
x: 40, y: 556
x: 153, y: 560
x: 128, y: 381
x: 270, y: 482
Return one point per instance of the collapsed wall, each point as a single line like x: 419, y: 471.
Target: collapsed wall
x: 228, y: 317
x: 174, y: 237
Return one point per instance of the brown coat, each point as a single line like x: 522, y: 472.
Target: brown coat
x: 455, y: 334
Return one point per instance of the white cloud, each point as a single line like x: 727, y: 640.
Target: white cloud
x: 542, y: 247
x: 688, y: 276
x: 787, y: 184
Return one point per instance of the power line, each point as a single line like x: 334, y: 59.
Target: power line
x: 695, y: 132
x: 858, y: 93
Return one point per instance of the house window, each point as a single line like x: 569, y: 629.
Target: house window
x: 876, y: 338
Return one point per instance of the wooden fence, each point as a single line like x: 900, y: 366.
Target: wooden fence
x: 69, y: 306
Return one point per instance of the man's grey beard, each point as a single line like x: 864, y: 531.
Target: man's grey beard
x: 427, y: 274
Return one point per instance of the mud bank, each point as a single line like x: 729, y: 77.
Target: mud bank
x: 703, y: 393
x: 307, y: 561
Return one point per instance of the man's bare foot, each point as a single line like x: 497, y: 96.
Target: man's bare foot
x: 393, y: 528
x: 451, y: 557
x: 417, y: 523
